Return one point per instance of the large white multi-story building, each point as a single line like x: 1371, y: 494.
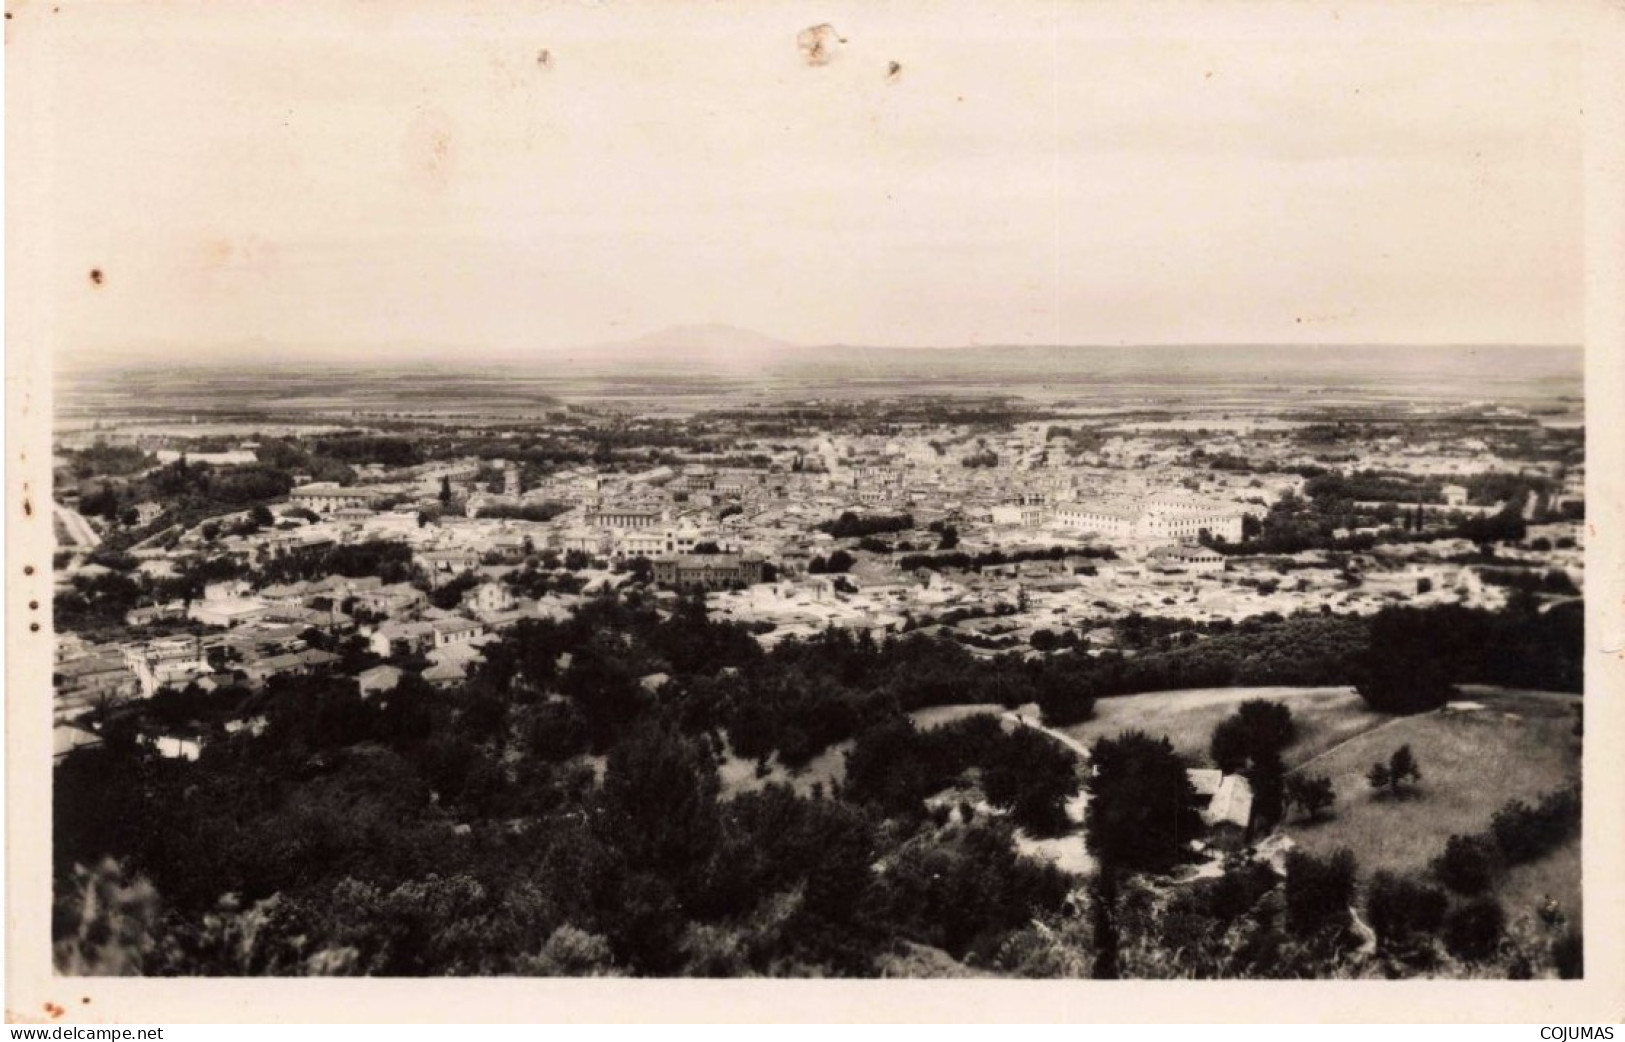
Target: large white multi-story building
x: 325, y: 496
x: 1184, y: 522
x: 1153, y: 520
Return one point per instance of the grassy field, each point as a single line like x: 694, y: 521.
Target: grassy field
x: 1326, y: 716
x: 1519, y: 746
x: 1556, y: 875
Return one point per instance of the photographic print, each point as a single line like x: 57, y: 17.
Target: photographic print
x: 1041, y: 492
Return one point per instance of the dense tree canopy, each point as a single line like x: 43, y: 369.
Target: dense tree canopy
x: 1142, y: 808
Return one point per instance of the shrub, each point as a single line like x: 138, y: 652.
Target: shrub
x: 1525, y: 833
x: 1319, y: 892
x: 1467, y: 865
x: 1472, y: 931
x: 1568, y: 955
x: 1403, y: 910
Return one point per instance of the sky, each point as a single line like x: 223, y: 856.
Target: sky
x: 344, y: 178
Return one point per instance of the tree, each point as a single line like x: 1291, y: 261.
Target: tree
x: 1397, y: 774
x: 1034, y: 776
x: 1250, y: 741
x: 1267, y: 776
x: 557, y: 731
x: 1103, y: 920
x: 1064, y: 699
x: 445, y: 489
x: 1142, y: 810
x: 261, y: 516
x: 1402, y: 669
x: 1229, y: 747
x: 1258, y: 728
x: 1311, y: 794
x: 659, y: 802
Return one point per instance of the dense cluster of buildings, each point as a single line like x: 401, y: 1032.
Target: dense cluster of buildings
x: 1070, y: 537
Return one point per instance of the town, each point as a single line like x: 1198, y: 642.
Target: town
x: 1000, y: 538
x: 1040, y: 568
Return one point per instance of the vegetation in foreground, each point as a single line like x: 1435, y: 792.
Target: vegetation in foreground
x: 469, y: 831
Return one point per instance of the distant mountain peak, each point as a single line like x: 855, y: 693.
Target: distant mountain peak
x: 707, y: 337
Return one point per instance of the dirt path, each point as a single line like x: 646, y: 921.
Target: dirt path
x: 1362, y: 736
x: 77, y: 528
x: 1066, y: 740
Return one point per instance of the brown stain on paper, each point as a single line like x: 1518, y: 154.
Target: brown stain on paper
x: 817, y: 43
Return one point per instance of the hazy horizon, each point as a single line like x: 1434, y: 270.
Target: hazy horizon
x: 715, y: 343
x: 661, y: 376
